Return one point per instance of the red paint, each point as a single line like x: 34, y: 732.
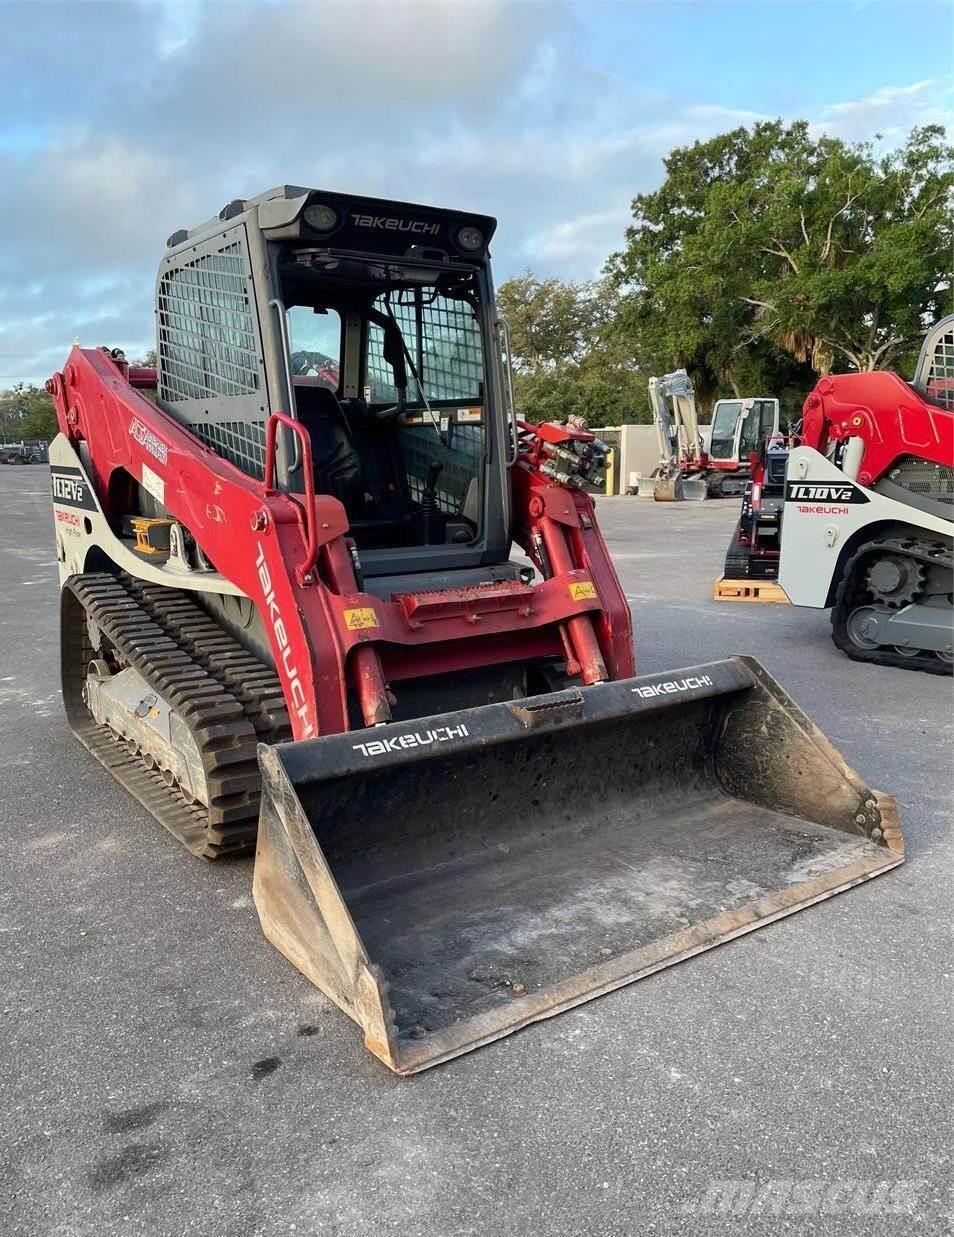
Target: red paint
x: 891, y: 418
x: 289, y: 554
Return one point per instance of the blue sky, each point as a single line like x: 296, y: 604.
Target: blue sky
x: 122, y: 122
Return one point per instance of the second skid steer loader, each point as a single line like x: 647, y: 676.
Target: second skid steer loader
x: 289, y: 609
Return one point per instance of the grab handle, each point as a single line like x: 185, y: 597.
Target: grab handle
x: 305, y: 569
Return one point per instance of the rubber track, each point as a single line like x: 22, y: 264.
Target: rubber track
x: 254, y: 683
x: 853, y: 592
x: 195, y: 672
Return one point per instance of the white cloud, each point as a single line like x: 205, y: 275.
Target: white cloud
x: 581, y: 242
x: 488, y: 105
x: 890, y: 111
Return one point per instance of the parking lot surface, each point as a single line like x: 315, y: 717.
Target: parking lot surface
x: 165, y: 1071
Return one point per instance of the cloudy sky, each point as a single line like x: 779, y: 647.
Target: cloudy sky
x: 121, y: 122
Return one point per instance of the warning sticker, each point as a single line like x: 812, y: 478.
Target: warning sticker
x: 584, y: 591
x: 360, y: 618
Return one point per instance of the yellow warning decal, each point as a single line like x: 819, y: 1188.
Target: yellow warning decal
x: 355, y: 620
x: 584, y: 591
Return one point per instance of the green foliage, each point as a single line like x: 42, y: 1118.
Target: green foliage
x: 26, y: 413
x: 769, y: 255
x: 567, y: 357
x: 552, y: 323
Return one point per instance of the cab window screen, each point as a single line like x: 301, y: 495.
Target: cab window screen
x: 443, y: 337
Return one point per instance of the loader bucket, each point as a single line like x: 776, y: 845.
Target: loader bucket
x: 450, y: 880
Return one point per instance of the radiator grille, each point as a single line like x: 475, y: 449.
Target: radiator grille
x: 935, y: 481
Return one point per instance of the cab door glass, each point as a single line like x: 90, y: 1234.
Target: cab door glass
x: 314, y: 338
x: 722, y: 439
x: 766, y: 418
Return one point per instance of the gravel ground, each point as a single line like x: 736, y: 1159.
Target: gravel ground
x: 165, y: 1071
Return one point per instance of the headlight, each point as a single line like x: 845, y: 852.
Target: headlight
x: 321, y: 217
x: 470, y: 239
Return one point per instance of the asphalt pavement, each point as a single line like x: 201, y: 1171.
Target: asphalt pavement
x: 163, y: 1070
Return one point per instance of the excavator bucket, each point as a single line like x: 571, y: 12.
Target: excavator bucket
x: 450, y: 880
x: 679, y: 488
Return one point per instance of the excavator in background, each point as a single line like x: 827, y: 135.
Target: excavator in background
x: 291, y: 619
x: 857, y: 513
x: 686, y: 469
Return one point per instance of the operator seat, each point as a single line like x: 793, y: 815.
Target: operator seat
x: 337, y: 466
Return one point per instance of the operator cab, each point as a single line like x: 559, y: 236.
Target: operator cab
x: 373, y: 324
x: 739, y: 426
x: 388, y: 379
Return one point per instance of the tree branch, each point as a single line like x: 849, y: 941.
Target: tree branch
x: 782, y: 252
x: 826, y: 250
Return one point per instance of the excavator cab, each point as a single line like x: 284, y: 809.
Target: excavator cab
x: 739, y: 426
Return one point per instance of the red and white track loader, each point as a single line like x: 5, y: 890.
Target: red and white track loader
x: 868, y: 521
x: 291, y: 611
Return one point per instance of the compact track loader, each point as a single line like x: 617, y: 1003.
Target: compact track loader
x: 857, y: 512
x: 290, y: 612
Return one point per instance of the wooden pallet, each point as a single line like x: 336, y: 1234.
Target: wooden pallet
x: 748, y: 590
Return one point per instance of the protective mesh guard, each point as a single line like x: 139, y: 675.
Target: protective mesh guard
x: 939, y: 378
x: 206, y: 330
x: 444, y: 340
x: 241, y: 442
x: 210, y: 375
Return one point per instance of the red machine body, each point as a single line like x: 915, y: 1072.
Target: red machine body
x: 290, y: 554
x: 888, y: 415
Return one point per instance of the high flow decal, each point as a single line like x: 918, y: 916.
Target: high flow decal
x: 670, y: 687
x: 286, y: 656
x: 147, y: 439
x: 414, y: 738
x: 391, y: 224
x: 153, y: 484
x: 71, y: 488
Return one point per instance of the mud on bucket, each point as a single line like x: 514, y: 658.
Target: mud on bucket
x: 448, y: 881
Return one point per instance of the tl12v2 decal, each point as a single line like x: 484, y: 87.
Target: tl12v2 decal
x: 70, y: 488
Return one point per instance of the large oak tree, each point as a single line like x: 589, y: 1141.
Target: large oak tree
x: 770, y: 248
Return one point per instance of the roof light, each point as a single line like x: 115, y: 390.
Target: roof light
x: 470, y: 239
x: 321, y: 217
